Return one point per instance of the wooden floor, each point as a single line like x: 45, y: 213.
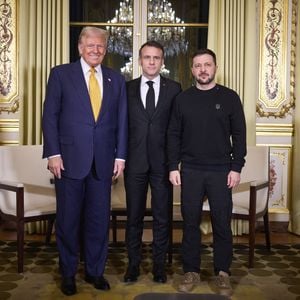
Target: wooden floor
x: 279, y: 235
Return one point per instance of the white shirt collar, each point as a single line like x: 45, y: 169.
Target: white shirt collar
x: 86, y: 67
x: 156, y: 80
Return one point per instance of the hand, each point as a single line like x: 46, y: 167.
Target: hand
x: 55, y: 165
x: 174, y: 177
x: 233, y: 179
x: 118, y: 168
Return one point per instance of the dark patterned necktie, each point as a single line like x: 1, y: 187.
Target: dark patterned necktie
x: 150, y: 99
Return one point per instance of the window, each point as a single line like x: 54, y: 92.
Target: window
x: 181, y: 26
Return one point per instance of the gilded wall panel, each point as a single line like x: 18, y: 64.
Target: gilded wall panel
x: 8, y: 57
x: 277, y: 57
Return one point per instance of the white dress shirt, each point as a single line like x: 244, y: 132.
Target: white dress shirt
x: 86, y: 72
x: 144, y: 88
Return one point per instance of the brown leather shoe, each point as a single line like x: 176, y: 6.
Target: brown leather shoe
x: 190, y: 279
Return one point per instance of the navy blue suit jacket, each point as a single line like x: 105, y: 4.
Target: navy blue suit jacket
x: 69, y: 127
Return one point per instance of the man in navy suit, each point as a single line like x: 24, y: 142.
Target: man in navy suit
x: 146, y: 163
x: 84, y: 150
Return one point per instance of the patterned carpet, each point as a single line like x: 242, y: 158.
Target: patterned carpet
x: 276, y: 275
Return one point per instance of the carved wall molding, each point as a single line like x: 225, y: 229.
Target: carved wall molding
x: 277, y: 66
x: 9, y: 101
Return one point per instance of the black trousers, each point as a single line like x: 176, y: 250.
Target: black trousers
x: 136, y: 186
x: 195, y: 185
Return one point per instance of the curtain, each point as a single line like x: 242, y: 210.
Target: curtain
x: 294, y: 225
x: 237, y: 56
x: 232, y: 35
x: 44, y: 43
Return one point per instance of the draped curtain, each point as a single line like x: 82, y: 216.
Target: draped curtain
x: 295, y: 202
x: 232, y: 35
x: 44, y: 43
x: 236, y: 51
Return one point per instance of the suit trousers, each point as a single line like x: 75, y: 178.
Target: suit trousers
x: 83, y: 214
x: 195, y: 185
x: 136, y: 185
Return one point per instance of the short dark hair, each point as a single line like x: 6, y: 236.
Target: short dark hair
x: 205, y: 51
x: 152, y: 44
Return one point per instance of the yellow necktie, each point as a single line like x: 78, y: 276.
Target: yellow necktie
x: 95, y: 94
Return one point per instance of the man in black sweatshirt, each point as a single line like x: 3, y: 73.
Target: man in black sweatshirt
x: 207, y: 136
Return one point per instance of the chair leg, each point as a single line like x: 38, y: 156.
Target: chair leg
x: 114, y: 227
x: 251, y: 242
x: 20, y: 246
x: 267, y: 230
x: 50, y: 224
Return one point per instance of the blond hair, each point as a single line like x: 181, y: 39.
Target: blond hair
x: 90, y: 30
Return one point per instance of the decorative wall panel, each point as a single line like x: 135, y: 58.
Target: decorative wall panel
x: 279, y: 177
x: 8, y: 57
x: 277, y: 57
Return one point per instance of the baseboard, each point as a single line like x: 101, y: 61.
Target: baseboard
x: 274, y: 226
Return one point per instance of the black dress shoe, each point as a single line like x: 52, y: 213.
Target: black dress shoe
x: 68, y: 286
x: 99, y: 282
x: 160, y: 277
x: 132, y: 274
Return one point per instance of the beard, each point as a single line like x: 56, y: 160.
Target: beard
x: 208, y: 80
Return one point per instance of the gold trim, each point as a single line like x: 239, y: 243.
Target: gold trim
x: 274, y: 129
x: 281, y: 210
x: 9, y: 123
x: 270, y: 133
x: 12, y: 109
x: 6, y: 129
x: 204, y: 25
x: 7, y: 143
x: 101, y: 24
x: 279, y: 125
x: 201, y: 25
x: 281, y: 146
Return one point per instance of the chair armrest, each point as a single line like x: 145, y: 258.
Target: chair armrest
x: 259, y: 184
x: 255, y: 186
x: 10, y: 185
x: 18, y: 188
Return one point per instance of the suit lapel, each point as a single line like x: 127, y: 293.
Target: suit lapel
x: 107, y: 86
x: 81, y: 88
x: 161, y: 96
x: 139, y: 98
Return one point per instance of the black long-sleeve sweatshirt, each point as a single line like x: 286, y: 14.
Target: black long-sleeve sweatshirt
x: 207, y: 130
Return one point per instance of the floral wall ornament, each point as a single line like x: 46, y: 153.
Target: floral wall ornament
x: 8, y: 57
x: 273, y: 177
x: 276, y: 97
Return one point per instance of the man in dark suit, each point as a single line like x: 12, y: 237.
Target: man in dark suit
x: 85, y: 140
x: 150, y: 98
